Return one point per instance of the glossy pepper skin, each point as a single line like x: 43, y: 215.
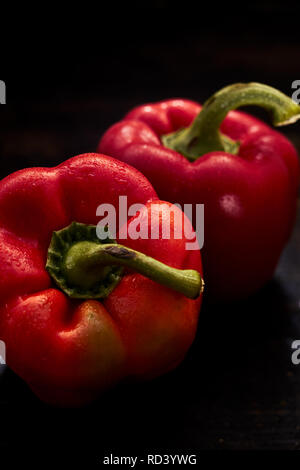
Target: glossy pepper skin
x: 70, y: 350
x: 250, y: 197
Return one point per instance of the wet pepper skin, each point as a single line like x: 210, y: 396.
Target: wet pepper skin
x: 250, y: 198
x: 70, y: 350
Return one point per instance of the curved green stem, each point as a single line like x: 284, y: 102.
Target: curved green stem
x: 85, y: 267
x: 203, y: 135
x: 86, y: 258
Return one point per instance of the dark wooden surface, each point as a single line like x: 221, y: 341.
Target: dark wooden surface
x: 237, y: 388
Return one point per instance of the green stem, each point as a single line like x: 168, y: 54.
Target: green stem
x: 86, y: 267
x: 86, y: 257
x: 203, y: 135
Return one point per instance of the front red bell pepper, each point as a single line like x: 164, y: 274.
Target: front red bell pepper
x: 76, y: 314
x: 247, y: 176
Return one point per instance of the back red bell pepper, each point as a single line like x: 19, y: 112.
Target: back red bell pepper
x: 90, y: 317
x: 247, y: 176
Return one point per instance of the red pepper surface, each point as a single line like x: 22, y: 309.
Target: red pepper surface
x: 67, y: 349
x: 246, y: 176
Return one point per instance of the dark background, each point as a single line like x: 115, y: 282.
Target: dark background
x: 237, y: 388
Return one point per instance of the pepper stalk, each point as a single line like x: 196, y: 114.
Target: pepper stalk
x: 85, y: 267
x: 203, y: 135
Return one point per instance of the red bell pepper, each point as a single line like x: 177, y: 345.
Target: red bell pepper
x: 247, y: 176
x: 89, y: 317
